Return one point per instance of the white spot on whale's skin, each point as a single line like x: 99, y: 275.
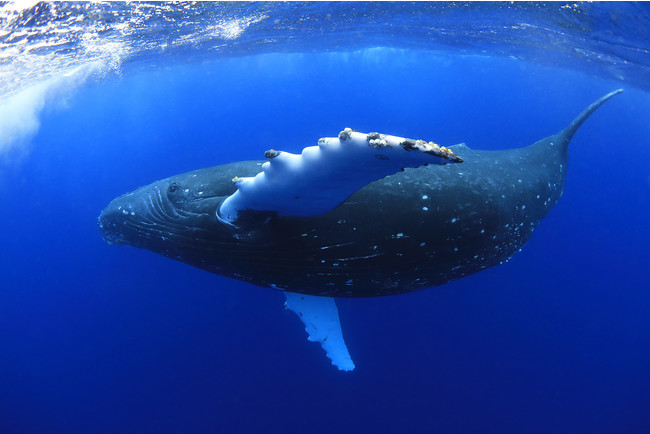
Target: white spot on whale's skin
x: 425, y: 197
x: 425, y: 208
x: 125, y: 212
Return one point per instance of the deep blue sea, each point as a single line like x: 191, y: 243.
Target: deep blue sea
x: 99, y: 99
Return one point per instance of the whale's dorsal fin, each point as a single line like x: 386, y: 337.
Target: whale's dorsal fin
x: 321, y: 319
x: 321, y: 177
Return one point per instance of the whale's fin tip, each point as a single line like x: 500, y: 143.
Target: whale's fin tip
x: 321, y: 319
x: 567, y: 134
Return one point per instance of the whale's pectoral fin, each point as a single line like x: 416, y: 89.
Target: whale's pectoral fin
x: 321, y: 319
x: 323, y: 176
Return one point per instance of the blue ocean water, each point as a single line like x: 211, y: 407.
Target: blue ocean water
x: 99, y: 338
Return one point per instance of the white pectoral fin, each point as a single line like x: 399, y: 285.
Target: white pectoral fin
x: 322, y: 177
x: 321, y: 319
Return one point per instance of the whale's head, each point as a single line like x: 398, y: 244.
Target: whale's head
x: 176, y: 216
x: 170, y: 212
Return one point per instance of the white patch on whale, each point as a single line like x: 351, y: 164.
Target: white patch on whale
x: 321, y: 319
x: 322, y: 177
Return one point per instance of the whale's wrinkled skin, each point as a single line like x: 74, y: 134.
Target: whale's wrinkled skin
x: 415, y: 229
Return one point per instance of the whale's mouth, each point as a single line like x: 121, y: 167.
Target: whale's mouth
x: 108, y: 235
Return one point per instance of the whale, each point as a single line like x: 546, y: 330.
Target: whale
x: 357, y: 215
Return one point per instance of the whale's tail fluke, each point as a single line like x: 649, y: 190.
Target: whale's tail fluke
x: 567, y: 134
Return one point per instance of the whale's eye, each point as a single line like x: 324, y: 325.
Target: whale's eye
x: 172, y: 187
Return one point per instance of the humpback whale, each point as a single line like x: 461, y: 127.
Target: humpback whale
x: 358, y: 215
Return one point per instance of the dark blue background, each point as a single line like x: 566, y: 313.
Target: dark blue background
x: 98, y: 338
